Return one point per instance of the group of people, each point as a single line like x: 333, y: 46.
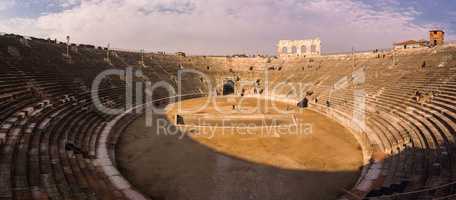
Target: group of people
x: 421, y: 97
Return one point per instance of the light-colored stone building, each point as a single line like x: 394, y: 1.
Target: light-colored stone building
x: 410, y: 44
x: 293, y: 48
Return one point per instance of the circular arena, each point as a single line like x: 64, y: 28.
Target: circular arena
x: 231, y: 157
x: 84, y: 122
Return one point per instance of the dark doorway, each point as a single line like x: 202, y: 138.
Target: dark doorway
x: 228, y: 87
x: 179, y: 120
x: 303, y: 103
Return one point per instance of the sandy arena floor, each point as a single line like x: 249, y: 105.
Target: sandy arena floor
x: 222, y: 154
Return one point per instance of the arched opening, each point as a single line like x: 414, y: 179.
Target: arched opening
x: 284, y: 50
x: 294, y: 50
x: 313, y: 48
x: 179, y: 120
x: 303, y: 103
x: 228, y: 87
x: 303, y: 49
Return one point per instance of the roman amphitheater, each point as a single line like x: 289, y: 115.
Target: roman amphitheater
x: 86, y: 122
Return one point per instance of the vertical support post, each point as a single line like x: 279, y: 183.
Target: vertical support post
x: 394, y: 57
x: 68, y: 46
x: 353, y: 58
x: 107, y: 53
x: 142, y: 57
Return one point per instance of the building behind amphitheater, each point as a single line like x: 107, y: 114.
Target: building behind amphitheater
x: 299, y: 48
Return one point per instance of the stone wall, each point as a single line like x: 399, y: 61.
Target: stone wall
x: 436, y: 37
x: 293, y: 48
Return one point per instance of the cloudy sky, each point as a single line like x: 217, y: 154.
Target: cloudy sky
x: 229, y: 26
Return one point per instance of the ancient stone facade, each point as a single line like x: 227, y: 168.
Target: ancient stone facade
x: 436, y: 37
x: 293, y: 48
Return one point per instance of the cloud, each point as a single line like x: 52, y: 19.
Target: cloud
x: 23, y: 26
x: 224, y: 26
x: 6, y: 4
x: 168, y: 6
x: 66, y: 3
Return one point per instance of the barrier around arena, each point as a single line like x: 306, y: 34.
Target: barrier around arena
x: 108, y: 166
x: 371, y: 171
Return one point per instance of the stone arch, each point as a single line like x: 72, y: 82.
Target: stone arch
x: 284, y: 50
x: 303, y: 49
x: 228, y: 87
x: 313, y: 48
x: 294, y: 50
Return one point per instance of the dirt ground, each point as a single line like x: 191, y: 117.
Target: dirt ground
x: 303, y: 156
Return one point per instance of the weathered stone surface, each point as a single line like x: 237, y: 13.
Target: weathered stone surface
x: 293, y: 48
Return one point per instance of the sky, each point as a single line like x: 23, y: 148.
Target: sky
x: 222, y: 27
